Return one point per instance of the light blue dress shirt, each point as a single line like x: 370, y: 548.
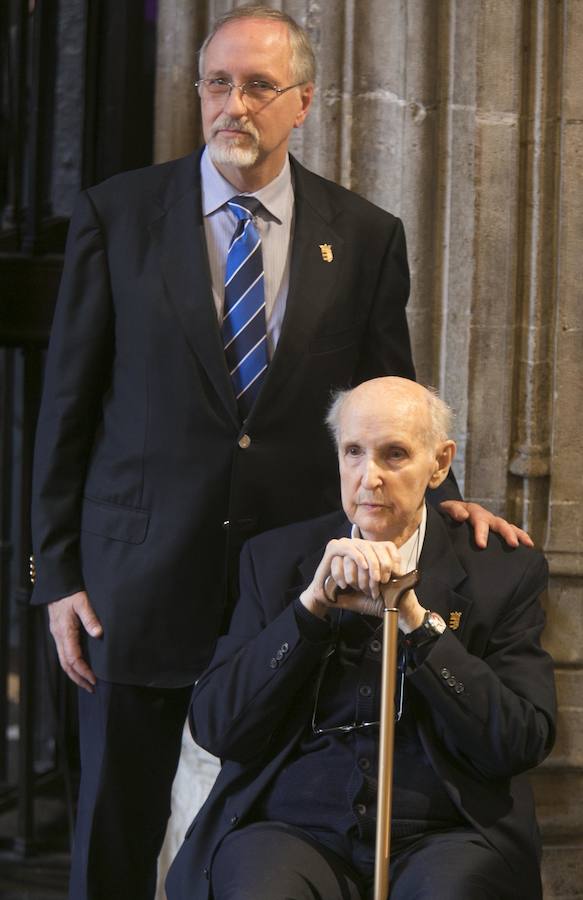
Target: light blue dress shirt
x: 275, y: 225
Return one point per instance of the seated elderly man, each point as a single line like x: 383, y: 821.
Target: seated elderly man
x: 290, y: 700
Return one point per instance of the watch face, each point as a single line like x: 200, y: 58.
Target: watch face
x: 435, y: 623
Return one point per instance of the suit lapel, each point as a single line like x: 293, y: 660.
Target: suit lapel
x: 312, y: 281
x: 179, y: 235
x: 442, y: 576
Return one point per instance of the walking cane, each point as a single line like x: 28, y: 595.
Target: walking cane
x: 392, y: 594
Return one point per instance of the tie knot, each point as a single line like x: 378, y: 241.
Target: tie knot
x: 244, y: 207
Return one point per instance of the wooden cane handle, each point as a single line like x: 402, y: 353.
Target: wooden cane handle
x: 392, y: 592
x: 398, y: 585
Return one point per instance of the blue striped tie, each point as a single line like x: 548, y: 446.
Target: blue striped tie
x: 243, y: 328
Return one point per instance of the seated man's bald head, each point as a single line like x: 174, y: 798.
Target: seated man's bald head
x: 392, y: 440
x: 432, y: 415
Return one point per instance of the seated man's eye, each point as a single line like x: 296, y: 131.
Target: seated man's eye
x: 217, y: 82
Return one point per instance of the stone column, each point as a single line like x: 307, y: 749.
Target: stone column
x: 177, y: 119
x: 560, y: 784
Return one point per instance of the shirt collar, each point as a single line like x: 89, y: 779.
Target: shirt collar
x: 410, y: 546
x: 217, y: 191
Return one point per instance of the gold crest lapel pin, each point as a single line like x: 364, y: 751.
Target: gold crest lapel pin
x: 454, y: 620
x: 326, y: 251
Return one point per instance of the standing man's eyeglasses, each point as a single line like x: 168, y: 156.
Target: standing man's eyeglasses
x: 254, y: 92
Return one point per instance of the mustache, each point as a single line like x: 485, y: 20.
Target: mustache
x: 225, y: 121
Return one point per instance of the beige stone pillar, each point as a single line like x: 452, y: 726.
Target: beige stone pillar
x: 177, y: 120
x: 560, y: 785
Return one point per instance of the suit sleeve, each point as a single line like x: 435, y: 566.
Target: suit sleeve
x: 77, y: 372
x: 494, y: 714
x: 258, y: 670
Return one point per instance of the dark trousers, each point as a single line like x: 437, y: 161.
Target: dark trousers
x: 273, y: 861
x: 130, y: 746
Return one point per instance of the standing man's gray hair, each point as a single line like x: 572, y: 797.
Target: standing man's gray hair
x: 303, y: 61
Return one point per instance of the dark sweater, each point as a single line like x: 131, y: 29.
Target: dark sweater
x: 329, y: 787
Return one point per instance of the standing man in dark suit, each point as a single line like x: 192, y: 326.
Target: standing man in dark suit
x: 290, y: 701
x: 156, y: 458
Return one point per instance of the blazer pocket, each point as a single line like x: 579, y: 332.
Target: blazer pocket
x: 340, y: 340
x: 120, y: 523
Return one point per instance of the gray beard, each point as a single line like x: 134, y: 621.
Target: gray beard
x: 240, y: 157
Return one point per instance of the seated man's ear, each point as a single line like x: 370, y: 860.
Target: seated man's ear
x: 443, y: 459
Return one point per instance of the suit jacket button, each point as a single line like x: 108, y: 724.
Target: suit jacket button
x: 234, y: 820
x: 279, y: 655
x: 445, y: 673
x: 285, y: 647
x: 459, y: 688
x: 365, y: 690
x: 452, y: 681
x: 205, y: 872
x: 273, y: 663
x: 244, y: 441
x: 375, y: 646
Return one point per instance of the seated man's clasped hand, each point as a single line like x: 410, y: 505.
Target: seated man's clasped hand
x: 354, y: 574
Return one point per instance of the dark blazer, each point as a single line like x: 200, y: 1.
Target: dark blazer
x: 141, y: 486
x: 484, y: 697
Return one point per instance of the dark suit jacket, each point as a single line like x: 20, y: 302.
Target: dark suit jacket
x: 138, y: 465
x: 484, y: 697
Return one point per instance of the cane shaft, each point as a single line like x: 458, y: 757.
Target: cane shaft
x: 393, y: 592
x: 386, y: 747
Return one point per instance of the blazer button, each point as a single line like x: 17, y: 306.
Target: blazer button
x: 361, y: 809
x: 459, y: 688
x: 375, y: 646
x: 205, y: 872
x: 452, y: 681
x: 285, y: 647
x: 273, y: 663
x: 234, y: 820
x: 445, y: 673
x: 279, y: 655
x: 244, y: 442
x: 365, y: 690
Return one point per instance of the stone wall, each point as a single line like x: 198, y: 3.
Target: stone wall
x: 465, y: 117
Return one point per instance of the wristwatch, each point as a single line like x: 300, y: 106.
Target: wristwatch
x: 429, y: 630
